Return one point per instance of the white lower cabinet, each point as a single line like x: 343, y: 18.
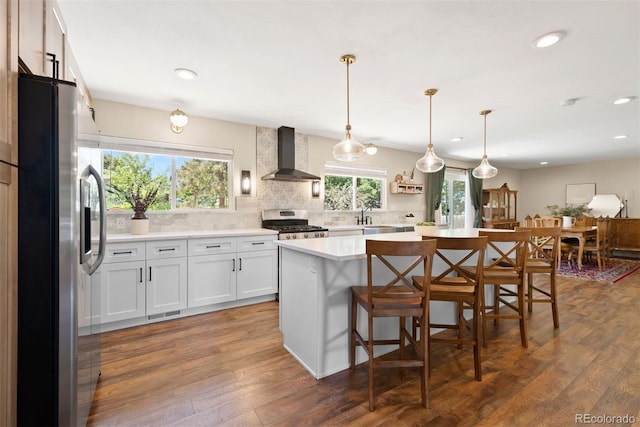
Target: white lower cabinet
x: 166, y: 289
x: 146, y: 281
x: 212, y: 279
x: 123, y: 291
x: 231, y: 268
x: 257, y: 273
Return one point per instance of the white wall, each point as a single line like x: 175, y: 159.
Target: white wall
x: 547, y: 186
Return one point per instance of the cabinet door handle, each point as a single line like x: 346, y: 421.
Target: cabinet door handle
x: 212, y: 246
x: 140, y: 274
x: 123, y: 253
x: 167, y: 250
x: 234, y: 265
x: 240, y: 269
x: 257, y: 243
x: 149, y: 273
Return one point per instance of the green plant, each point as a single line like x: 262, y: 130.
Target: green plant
x: 426, y: 223
x: 576, y: 211
x: 139, y: 199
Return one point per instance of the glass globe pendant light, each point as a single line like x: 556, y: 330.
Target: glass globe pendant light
x: 348, y: 150
x: 485, y: 170
x: 430, y: 162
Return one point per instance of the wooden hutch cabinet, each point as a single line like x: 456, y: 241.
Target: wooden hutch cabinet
x: 499, y: 207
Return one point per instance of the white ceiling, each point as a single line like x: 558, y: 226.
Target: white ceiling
x: 274, y: 63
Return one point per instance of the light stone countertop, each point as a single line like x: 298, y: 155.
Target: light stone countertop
x: 344, y: 248
x: 174, y: 235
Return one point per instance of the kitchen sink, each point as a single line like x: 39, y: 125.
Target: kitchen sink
x: 377, y: 229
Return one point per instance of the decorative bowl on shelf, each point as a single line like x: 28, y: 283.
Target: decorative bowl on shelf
x: 428, y: 229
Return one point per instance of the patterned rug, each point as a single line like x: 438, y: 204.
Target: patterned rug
x: 614, y: 271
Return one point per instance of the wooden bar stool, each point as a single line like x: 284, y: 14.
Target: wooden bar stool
x: 542, y: 259
x: 398, y: 297
x: 461, y: 285
x: 507, y: 268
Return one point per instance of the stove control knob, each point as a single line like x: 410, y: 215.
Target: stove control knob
x: 288, y: 236
x: 321, y: 234
x: 306, y: 235
x: 295, y: 236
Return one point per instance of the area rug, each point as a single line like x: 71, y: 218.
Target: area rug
x: 615, y: 270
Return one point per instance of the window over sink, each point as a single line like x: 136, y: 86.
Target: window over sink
x: 186, y: 177
x: 348, y: 188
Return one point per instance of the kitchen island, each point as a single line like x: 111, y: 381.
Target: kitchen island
x: 315, y: 280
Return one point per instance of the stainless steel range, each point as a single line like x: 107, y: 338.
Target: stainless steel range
x: 292, y: 224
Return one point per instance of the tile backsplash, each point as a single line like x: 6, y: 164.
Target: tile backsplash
x: 270, y: 195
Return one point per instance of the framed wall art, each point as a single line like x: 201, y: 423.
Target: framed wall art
x: 578, y: 194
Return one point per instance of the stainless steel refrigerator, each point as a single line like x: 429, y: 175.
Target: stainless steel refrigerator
x: 60, y: 238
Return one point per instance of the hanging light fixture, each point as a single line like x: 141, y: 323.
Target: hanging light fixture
x: 485, y: 170
x: 430, y: 162
x: 178, y: 120
x: 370, y: 149
x: 348, y: 150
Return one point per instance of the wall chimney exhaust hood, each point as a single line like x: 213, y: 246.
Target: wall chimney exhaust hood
x: 287, y: 159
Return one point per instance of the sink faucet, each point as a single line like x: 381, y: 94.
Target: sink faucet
x: 362, y: 220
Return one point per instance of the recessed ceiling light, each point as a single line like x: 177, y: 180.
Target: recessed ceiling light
x: 620, y: 136
x: 544, y: 163
x: 504, y: 155
x: 549, y: 39
x: 623, y: 100
x: 457, y: 139
x: 185, y: 73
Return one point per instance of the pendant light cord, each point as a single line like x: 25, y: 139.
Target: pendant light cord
x: 348, y: 61
x: 484, y: 144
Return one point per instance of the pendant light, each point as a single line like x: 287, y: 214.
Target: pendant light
x: 430, y: 162
x: 348, y: 150
x: 485, y: 170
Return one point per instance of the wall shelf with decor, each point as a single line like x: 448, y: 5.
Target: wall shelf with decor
x: 406, y: 188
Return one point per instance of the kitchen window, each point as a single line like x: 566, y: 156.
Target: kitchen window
x: 349, y: 188
x: 186, y: 177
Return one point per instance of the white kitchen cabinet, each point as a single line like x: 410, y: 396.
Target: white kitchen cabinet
x: 121, y: 282
x: 226, y: 269
x: 212, y: 279
x: 166, y: 286
x: 123, y: 290
x: 257, y: 273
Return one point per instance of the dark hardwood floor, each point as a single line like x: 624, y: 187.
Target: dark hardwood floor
x: 229, y: 368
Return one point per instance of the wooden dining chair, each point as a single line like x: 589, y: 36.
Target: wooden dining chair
x: 598, y: 246
x: 504, y: 271
x: 542, y: 258
x: 458, y: 284
x: 397, y: 297
x: 565, y: 245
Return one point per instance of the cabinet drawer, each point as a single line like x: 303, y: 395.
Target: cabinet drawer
x: 211, y: 246
x: 166, y: 249
x: 121, y: 252
x: 256, y: 243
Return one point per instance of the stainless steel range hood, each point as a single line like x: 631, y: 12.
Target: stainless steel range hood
x: 287, y: 159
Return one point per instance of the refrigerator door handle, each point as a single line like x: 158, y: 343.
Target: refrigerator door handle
x: 85, y: 223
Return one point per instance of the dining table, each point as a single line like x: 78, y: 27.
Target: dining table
x: 582, y: 233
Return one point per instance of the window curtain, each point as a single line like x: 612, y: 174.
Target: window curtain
x: 475, y: 191
x: 433, y: 184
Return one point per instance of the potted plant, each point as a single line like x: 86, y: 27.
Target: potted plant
x: 426, y: 228
x: 139, y: 199
x: 569, y: 213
